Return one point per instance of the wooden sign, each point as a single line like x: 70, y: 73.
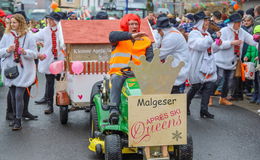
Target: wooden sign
x: 157, y: 120
x: 156, y: 77
x: 94, y: 52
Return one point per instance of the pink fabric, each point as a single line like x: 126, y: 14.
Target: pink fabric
x: 256, y: 37
x: 57, y: 67
x: 218, y: 41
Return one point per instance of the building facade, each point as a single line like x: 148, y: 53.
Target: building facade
x: 250, y: 4
x: 70, y: 4
x: 93, y: 5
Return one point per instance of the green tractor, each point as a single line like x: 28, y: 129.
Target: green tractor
x: 111, y: 141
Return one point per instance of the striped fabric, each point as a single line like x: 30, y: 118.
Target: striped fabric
x: 120, y: 55
x: 93, y: 68
x: 236, y: 47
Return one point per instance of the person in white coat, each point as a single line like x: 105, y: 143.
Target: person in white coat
x: 229, y: 51
x: 49, y: 37
x: 203, y: 68
x: 172, y: 42
x: 18, y: 50
x: 9, y: 111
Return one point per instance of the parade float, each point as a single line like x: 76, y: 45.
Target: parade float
x: 87, y: 53
x: 87, y: 50
x: 152, y: 122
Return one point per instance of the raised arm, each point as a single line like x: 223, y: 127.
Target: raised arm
x: 249, y: 39
x: 116, y: 36
x: 196, y: 42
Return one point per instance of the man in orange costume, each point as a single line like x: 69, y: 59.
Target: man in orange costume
x: 127, y: 45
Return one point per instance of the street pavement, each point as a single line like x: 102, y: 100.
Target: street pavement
x: 232, y: 135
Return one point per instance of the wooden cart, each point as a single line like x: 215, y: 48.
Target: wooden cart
x: 86, y: 41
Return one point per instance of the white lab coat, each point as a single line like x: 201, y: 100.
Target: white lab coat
x: 27, y: 74
x: 224, y: 54
x: 174, y: 44
x: 44, y: 35
x: 198, y: 45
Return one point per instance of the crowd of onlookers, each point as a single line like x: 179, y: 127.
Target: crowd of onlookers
x: 232, y: 46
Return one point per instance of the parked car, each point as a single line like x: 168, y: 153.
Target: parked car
x: 162, y: 10
x: 38, y: 14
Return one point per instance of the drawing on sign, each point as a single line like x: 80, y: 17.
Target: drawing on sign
x: 177, y: 135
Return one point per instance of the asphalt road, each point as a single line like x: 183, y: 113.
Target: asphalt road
x: 232, y: 135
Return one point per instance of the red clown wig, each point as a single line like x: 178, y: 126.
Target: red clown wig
x: 128, y: 17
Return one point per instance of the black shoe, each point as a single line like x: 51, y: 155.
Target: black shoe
x: 9, y: 116
x: 206, y: 114
x: 114, y: 116
x: 17, y: 125
x: 11, y: 123
x: 29, y: 116
x: 49, y: 110
x: 41, y: 101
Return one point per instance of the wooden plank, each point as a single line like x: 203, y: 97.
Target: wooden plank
x: 97, y: 67
x: 101, y: 67
x: 88, y: 67
x: 92, y: 52
x: 147, y: 152
x: 70, y: 68
x: 165, y: 152
x: 85, y: 68
x: 93, y: 67
x: 106, y: 67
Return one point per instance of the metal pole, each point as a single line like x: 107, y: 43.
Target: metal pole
x: 126, y: 7
x: 174, y: 7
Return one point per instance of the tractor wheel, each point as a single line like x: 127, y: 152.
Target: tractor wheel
x: 64, y: 114
x: 183, y: 152
x: 113, y: 149
x: 95, y: 90
x: 93, y: 122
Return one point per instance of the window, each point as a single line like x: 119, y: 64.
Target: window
x: 69, y: 1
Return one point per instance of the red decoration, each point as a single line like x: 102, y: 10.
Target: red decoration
x: 236, y: 7
x: 54, y: 44
x: 54, y: 5
x: 17, y: 57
